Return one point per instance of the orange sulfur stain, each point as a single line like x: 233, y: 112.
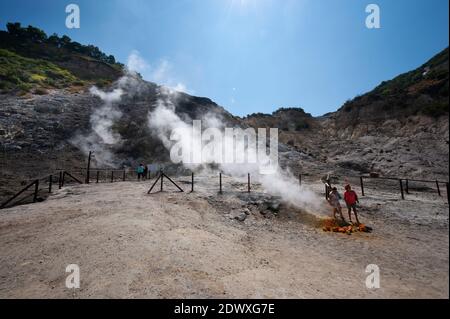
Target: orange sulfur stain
x: 330, y: 224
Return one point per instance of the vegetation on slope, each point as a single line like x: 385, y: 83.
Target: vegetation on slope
x: 26, y: 74
x: 32, y: 61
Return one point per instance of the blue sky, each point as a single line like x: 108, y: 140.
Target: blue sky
x: 254, y: 55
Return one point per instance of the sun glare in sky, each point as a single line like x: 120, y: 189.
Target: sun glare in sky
x: 242, y: 4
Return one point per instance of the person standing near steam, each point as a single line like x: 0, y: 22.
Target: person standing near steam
x: 333, y: 199
x: 140, y: 171
x: 145, y: 174
x: 351, y: 198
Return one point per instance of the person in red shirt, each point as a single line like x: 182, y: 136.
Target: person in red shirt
x: 351, y: 198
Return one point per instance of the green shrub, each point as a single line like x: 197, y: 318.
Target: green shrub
x: 54, y: 75
x: 24, y: 73
x: 25, y: 87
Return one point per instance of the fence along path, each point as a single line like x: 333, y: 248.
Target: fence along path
x: 38, y: 189
x: 35, y: 189
x: 393, y: 185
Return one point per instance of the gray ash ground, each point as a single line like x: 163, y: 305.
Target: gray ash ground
x: 194, y: 245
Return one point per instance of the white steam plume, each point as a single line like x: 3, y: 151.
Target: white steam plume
x: 104, y: 117
x: 135, y: 63
x: 163, y: 121
x: 161, y: 72
x: 102, y: 139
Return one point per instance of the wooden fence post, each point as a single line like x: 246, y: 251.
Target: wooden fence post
x: 63, y: 178
x: 60, y: 179
x: 438, y: 188
x: 300, y: 179
x: 36, y: 190
x: 50, y: 182
x: 407, y: 186
x: 123, y: 178
x: 162, y: 179
x: 112, y: 176
x: 98, y: 176
x: 88, y: 170
x: 362, y: 185
x: 192, y: 183
x: 21, y: 192
x: 220, y: 183
x: 248, y: 183
x: 401, y: 188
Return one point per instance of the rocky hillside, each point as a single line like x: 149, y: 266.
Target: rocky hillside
x: 398, y: 129
x: 46, y: 104
x: 37, y: 132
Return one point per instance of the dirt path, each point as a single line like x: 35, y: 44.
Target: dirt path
x: 180, y: 245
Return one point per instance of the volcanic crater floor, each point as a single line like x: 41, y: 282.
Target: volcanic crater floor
x: 129, y: 244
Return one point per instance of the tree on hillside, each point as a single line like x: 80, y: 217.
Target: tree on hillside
x: 31, y: 33
x: 39, y: 36
x: 65, y: 41
x: 15, y: 29
x: 54, y: 40
x: 35, y: 34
